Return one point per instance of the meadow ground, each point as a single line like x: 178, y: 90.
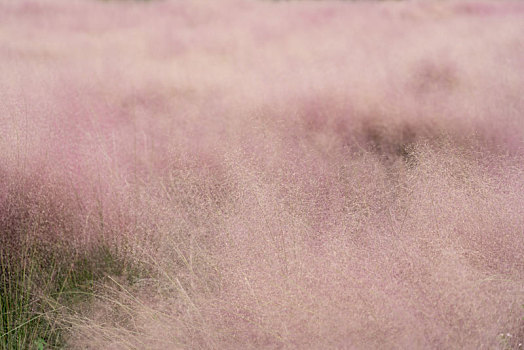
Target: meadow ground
x: 261, y: 175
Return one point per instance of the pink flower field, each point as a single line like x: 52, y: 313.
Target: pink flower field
x: 253, y: 174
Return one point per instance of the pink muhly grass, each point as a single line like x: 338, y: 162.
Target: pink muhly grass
x: 272, y: 175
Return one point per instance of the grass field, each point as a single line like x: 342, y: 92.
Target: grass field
x: 261, y: 174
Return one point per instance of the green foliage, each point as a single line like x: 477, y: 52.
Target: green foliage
x: 38, y: 284
x: 40, y: 343
x: 23, y: 315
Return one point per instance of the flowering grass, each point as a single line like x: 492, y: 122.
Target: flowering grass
x: 245, y: 175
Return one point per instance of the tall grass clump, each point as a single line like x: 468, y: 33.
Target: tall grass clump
x: 45, y: 274
x: 38, y: 285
